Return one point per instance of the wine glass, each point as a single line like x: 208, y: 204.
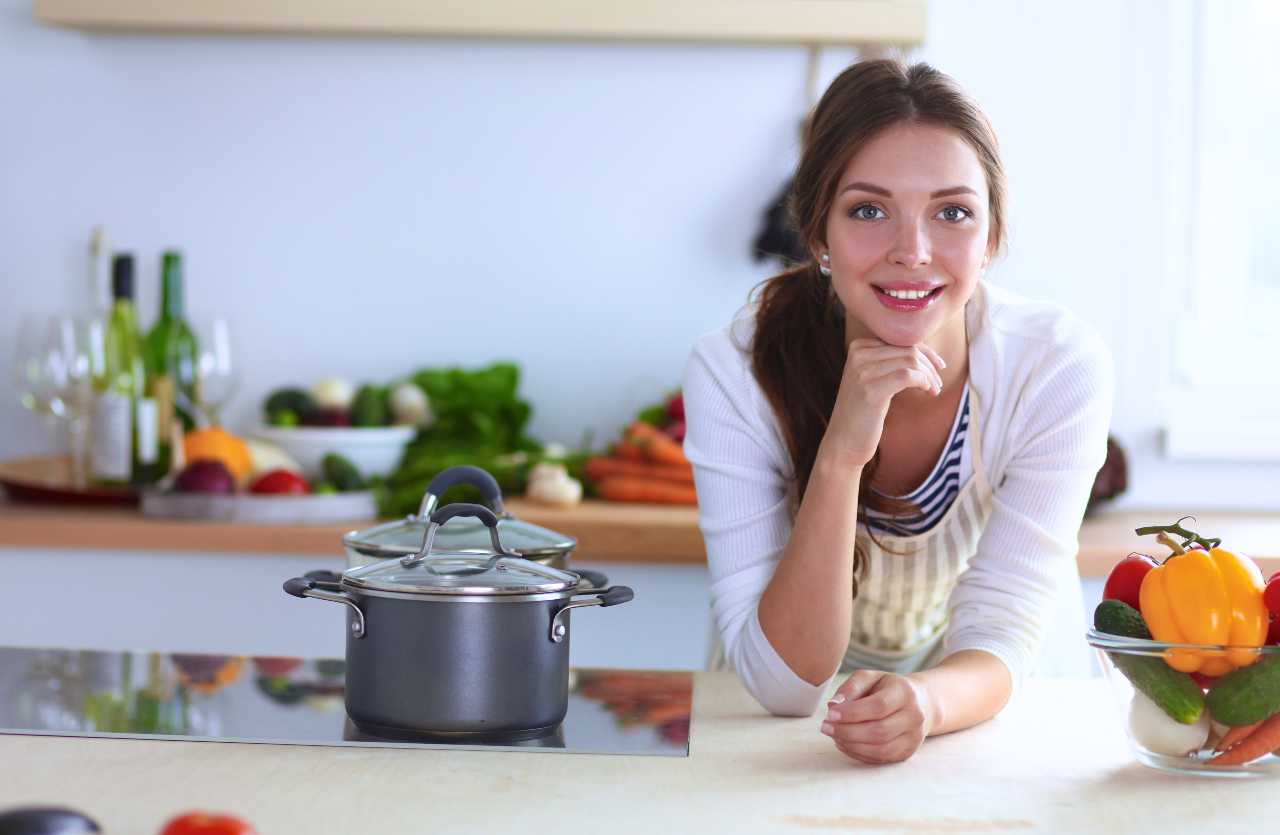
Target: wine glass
x: 37, y: 364
x: 53, y: 370
x: 216, y: 371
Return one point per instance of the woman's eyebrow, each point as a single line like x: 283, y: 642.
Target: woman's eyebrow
x: 884, y: 192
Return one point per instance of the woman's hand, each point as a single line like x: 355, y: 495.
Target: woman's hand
x: 878, y: 717
x: 874, y: 371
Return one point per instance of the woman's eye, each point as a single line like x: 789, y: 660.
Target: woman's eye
x: 865, y: 211
x: 955, y: 214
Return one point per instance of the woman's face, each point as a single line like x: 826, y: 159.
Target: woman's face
x: 910, y: 214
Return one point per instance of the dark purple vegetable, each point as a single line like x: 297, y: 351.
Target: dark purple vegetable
x: 45, y: 820
x: 206, y: 476
x: 327, y: 417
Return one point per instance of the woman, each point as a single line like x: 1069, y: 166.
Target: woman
x: 893, y: 456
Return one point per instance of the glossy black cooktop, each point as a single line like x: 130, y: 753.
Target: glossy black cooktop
x: 299, y: 701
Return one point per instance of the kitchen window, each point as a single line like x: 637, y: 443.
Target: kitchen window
x: 1223, y: 222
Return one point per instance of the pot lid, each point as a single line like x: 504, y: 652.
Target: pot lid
x: 405, y: 536
x: 461, y: 573
x: 489, y: 570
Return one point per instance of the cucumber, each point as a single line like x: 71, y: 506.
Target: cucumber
x: 341, y: 473
x: 1176, y: 693
x: 1115, y: 617
x: 1248, y: 694
x: 370, y: 407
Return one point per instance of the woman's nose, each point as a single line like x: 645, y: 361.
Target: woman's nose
x: 911, y: 246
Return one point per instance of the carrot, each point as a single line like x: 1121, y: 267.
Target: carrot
x: 1234, y: 735
x: 601, y: 467
x: 628, y: 451
x: 1264, y: 739
x: 657, y: 445
x: 621, y: 488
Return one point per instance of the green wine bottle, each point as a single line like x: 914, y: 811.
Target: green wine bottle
x: 171, y: 364
x: 123, y: 449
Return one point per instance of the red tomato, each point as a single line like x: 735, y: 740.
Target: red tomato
x: 281, y: 481
x: 1203, y: 680
x: 1273, y: 631
x: 1271, y: 594
x: 1125, y: 579
x: 206, y: 823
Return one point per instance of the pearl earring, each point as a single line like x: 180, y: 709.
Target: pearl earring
x: 825, y: 266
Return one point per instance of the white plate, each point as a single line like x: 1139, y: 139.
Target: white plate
x: 249, y: 507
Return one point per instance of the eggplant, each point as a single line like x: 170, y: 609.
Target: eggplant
x: 46, y: 820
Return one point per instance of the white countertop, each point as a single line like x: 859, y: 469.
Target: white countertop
x: 1056, y: 761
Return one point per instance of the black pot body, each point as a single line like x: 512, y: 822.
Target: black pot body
x: 474, y: 667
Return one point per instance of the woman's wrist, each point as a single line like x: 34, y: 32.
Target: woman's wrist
x: 837, y: 461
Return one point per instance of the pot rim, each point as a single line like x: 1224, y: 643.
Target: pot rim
x: 463, y: 597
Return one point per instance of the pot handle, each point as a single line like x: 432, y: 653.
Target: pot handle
x: 598, y: 580
x: 448, y: 512
x: 307, y: 587
x: 612, y: 596
x: 462, y: 474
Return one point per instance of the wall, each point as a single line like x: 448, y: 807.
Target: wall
x: 368, y: 207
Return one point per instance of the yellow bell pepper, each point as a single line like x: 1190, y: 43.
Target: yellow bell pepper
x: 1206, y: 597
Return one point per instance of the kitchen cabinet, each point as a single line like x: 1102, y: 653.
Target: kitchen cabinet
x: 1054, y: 761
x: 885, y: 22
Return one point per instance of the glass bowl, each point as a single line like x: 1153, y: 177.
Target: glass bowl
x: 1153, y: 736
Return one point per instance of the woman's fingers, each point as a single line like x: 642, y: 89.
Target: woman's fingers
x: 878, y: 732
x: 901, y: 372
x: 868, y: 353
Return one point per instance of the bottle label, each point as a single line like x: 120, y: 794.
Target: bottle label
x: 110, y: 444
x: 148, y: 440
x: 160, y: 387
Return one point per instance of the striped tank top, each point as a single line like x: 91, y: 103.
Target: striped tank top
x: 939, y: 490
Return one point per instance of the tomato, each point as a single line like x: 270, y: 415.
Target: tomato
x: 1273, y: 631
x: 1271, y: 594
x: 1125, y: 579
x: 281, y: 481
x: 1203, y: 680
x: 206, y: 823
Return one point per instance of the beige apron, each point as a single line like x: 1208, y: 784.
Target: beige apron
x: 900, y: 613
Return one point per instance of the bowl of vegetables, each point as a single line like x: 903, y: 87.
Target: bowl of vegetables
x: 1190, y: 648
x: 369, y: 425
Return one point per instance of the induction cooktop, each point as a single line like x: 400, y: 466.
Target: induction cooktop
x: 299, y: 701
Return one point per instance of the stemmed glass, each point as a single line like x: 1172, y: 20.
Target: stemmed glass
x: 53, y: 368
x: 216, y: 371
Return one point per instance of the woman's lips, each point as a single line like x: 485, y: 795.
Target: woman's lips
x: 909, y: 305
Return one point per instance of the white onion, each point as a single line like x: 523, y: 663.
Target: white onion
x: 1160, y: 733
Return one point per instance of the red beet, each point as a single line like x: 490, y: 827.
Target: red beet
x: 206, y: 476
x: 327, y: 417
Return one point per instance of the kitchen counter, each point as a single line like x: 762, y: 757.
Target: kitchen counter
x: 606, y: 532
x: 1056, y: 761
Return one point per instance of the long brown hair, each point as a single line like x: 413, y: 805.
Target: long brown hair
x: 799, y: 348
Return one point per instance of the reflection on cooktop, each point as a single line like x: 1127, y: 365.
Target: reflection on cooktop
x: 299, y: 701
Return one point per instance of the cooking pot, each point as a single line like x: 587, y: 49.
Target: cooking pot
x: 403, y: 537
x: 458, y: 644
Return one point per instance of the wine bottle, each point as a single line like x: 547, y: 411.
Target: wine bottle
x: 170, y: 351
x: 124, y: 449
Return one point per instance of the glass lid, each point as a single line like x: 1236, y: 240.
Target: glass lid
x: 461, y: 573
x: 405, y: 536
x: 489, y: 568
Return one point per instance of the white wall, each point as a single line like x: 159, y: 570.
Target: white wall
x: 368, y: 207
